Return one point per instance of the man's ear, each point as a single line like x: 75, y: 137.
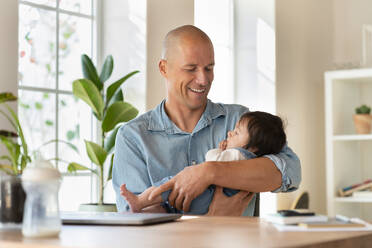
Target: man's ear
x: 163, y: 67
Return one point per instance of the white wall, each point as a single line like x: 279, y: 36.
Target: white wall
x: 252, y: 88
x: 312, y: 37
x: 304, y: 51
x: 8, y: 50
x: 162, y: 16
x: 348, y: 18
x: 123, y: 35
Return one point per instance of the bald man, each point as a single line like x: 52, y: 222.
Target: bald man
x: 173, y: 138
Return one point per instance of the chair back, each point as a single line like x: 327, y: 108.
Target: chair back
x: 256, y: 212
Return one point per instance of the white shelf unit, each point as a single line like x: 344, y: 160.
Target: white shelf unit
x: 348, y: 155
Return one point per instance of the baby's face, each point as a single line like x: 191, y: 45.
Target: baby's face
x: 238, y: 137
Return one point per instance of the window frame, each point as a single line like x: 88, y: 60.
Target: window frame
x: 95, y: 17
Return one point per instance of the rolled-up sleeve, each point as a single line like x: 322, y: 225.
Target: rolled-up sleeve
x: 289, y: 165
x: 129, y: 167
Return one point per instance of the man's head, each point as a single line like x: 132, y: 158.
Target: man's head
x: 187, y: 65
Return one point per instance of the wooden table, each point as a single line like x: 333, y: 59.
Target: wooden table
x: 189, y: 232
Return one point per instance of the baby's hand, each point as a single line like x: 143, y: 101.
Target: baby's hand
x: 223, y: 145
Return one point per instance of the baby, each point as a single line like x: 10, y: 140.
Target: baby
x: 256, y: 134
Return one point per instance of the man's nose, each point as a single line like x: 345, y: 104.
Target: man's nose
x: 202, y: 78
x: 229, y: 133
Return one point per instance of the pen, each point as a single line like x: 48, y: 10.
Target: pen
x: 352, y: 220
x: 342, y: 218
x: 359, y: 221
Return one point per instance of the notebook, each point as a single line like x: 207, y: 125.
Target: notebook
x: 331, y: 223
x: 279, y: 219
x: 113, y: 218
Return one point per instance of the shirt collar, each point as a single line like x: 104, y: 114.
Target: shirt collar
x: 159, y: 120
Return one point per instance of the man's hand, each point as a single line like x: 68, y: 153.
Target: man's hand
x: 157, y: 208
x: 185, y: 186
x: 222, y: 145
x: 223, y: 205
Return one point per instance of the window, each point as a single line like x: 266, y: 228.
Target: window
x: 220, y: 29
x: 52, y: 36
x: 243, y: 35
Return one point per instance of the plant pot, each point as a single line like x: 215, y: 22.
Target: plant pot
x: 362, y: 123
x: 94, y: 207
x: 12, y: 199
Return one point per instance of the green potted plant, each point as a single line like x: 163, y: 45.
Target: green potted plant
x: 12, y: 196
x: 362, y: 119
x: 110, y: 109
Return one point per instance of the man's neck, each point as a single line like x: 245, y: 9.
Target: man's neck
x: 185, y: 118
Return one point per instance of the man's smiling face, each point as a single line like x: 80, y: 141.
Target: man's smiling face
x: 189, y: 72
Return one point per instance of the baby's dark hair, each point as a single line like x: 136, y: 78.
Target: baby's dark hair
x: 266, y: 132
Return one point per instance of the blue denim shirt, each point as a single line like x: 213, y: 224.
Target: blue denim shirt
x: 151, y: 148
x: 200, y: 205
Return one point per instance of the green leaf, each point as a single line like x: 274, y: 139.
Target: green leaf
x: 70, y: 135
x: 9, y: 119
x: 59, y: 160
x: 7, y: 169
x: 67, y: 35
x: 13, y: 149
x: 24, y: 160
x: 25, y: 106
x: 48, y: 67
x: 88, y: 92
x: 73, y: 167
x: 109, y: 176
x: 5, y: 157
x: 118, y: 112
x: 90, y: 72
x: 364, y: 109
x: 49, y: 123
x: 96, y: 153
x: 72, y: 146
x: 77, y: 131
x: 25, y: 157
x: 110, y: 140
x: 107, y: 69
x: 7, y: 97
x: 38, y: 105
x: 113, y: 87
x: 118, y: 97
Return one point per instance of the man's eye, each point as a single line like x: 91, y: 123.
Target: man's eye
x: 209, y: 68
x: 191, y: 69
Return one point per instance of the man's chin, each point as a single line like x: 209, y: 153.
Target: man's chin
x: 197, y: 105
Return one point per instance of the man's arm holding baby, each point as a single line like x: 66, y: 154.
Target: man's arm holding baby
x: 281, y: 172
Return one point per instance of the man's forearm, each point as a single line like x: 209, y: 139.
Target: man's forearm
x: 254, y: 175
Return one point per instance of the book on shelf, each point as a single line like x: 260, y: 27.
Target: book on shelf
x: 348, y: 191
x: 363, y: 194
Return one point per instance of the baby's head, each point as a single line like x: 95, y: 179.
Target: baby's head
x: 258, y: 132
